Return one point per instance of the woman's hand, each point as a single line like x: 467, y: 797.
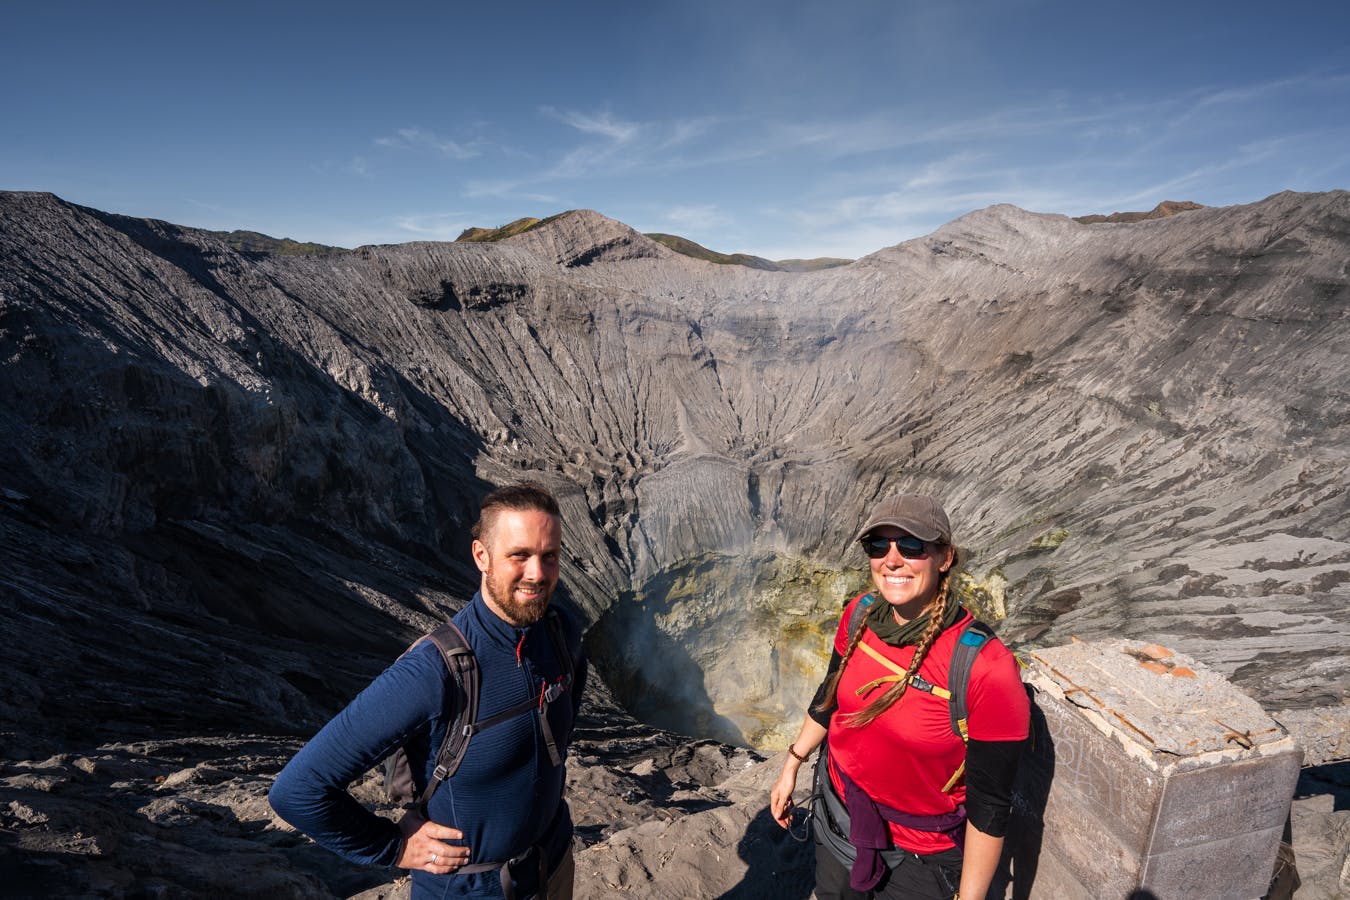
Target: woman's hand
x: 780, y: 798
x: 423, y: 845
x: 811, y: 736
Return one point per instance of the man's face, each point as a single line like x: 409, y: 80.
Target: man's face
x: 518, y: 556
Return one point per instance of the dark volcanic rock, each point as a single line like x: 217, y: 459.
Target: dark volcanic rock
x: 232, y: 486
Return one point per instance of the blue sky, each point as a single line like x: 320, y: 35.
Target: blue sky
x: 783, y: 129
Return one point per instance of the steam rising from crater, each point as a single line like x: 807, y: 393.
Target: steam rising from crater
x: 725, y: 647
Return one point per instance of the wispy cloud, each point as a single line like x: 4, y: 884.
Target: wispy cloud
x: 504, y: 189
x: 357, y: 166
x: 949, y: 170
x: 1247, y: 155
x: 873, y: 177
x: 602, y: 123
x: 856, y: 224
x: 898, y: 129
x: 612, y: 145
x: 419, y: 139
x: 588, y: 159
x: 1248, y: 93
x: 1110, y: 153
x: 1308, y: 82
x: 490, y: 187
x: 696, y: 217
x: 683, y: 131
x: 433, y: 226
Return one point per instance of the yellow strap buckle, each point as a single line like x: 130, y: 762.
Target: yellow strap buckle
x: 899, y: 675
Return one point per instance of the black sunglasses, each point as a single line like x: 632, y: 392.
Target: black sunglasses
x: 907, y: 545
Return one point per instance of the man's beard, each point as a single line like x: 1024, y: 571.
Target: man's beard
x: 520, y: 613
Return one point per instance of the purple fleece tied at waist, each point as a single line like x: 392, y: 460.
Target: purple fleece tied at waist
x: 868, y: 834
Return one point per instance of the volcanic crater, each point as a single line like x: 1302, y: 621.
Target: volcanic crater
x: 236, y: 484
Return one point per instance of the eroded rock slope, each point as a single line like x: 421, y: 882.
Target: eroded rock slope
x: 234, y: 485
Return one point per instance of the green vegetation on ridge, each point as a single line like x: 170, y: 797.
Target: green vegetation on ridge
x: 683, y: 246
x: 473, y: 235
x: 697, y: 251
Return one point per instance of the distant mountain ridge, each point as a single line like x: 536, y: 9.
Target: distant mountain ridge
x: 1161, y: 211
x: 698, y: 251
x: 257, y: 242
x: 680, y: 245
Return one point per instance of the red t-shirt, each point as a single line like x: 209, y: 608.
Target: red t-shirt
x: 903, y: 759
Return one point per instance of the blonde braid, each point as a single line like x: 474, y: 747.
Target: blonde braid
x: 832, y: 690
x: 936, y: 615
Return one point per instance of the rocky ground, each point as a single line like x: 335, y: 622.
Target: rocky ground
x: 189, y: 817
x: 657, y: 816
x: 232, y: 484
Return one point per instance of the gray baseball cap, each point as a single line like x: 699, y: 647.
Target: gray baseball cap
x: 921, y: 516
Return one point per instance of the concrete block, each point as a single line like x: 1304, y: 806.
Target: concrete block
x: 1148, y: 772
x: 1217, y: 869
x: 1239, y: 797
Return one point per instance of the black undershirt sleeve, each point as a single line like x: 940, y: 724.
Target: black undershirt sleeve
x: 991, y: 767
x: 822, y: 717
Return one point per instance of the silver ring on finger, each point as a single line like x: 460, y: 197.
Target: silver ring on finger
x: 434, y: 857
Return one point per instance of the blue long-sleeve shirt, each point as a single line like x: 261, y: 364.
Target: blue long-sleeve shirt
x: 506, y: 795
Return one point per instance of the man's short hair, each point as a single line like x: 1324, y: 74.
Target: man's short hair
x: 522, y: 497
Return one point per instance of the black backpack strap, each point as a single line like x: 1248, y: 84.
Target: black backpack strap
x: 554, y: 691
x: 973, y: 638
x: 463, y: 667
x: 468, y: 728
x: 555, y: 632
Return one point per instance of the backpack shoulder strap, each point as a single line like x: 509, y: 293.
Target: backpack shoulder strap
x: 565, y: 685
x: 560, y: 649
x: 463, y: 668
x: 467, y: 728
x: 973, y: 638
x: 860, y: 609
x: 452, y: 643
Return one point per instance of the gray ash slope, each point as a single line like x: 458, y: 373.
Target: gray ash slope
x: 233, y: 485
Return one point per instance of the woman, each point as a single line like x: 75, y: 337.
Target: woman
x: 909, y: 784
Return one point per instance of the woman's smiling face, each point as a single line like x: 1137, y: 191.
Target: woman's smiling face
x: 908, y: 585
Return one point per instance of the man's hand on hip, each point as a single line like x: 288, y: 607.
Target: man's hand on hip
x: 424, y: 847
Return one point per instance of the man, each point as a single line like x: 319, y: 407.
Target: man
x: 504, y: 802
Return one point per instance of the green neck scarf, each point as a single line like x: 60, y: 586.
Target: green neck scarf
x: 880, y: 620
